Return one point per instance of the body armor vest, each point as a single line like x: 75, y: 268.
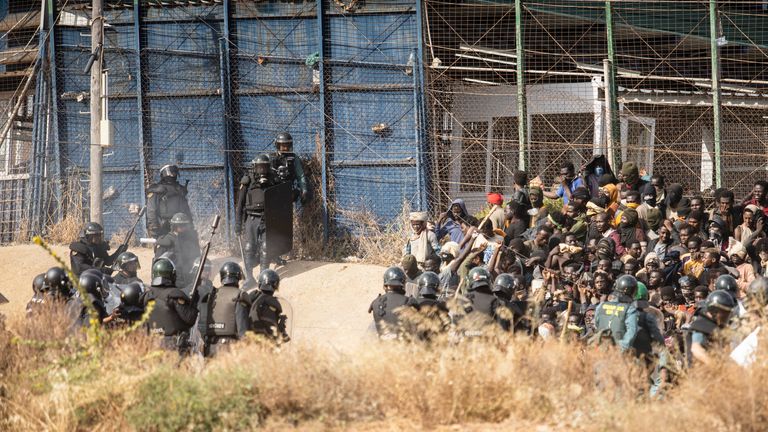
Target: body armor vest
x: 265, y: 315
x: 222, y: 307
x: 163, y: 317
x: 255, y: 198
x: 384, y: 311
x: 612, y: 315
x: 171, y: 200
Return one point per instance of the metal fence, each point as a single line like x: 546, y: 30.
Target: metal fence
x: 423, y: 101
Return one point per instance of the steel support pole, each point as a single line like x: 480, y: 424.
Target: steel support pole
x: 609, y: 118
x: 714, y: 25
x: 97, y: 38
x: 612, y: 115
x: 421, y: 131
x: 226, y: 99
x: 141, y: 114
x: 522, y: 99
x: 321, y: 33
x: 56, y: 176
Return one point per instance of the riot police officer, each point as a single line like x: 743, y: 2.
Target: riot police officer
x: 648, y: 331
x: 184, y: 245
x: 729, y: 284
x: 288, y: 167
x: 90, y: 251
x: 130, y: 310
x: 39, y: 289
x: 129, y: 265
x: 616, y: 319
x: 62, y: 291
x: 718, y: 308
x: 165, y: 199
x: 480, y: 307
x: 174, y: 312
x: 249, y: 214
x: 265, y: 311
x: 386, y: 307
x: 227, y: 317
x: 93, y: 286
x: 504, y: 287
x: 433, y: 313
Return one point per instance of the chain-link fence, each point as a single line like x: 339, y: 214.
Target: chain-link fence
x: 387, y: 101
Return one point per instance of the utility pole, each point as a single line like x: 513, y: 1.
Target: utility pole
x: 714, y: 25
x: 97, y: 37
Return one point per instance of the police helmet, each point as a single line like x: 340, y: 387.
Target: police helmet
x: 758, y: 291
x: 169, y: 172
x: 57, y: 280
x: 91, y: 283
x: 269, y: 281
x: 38, y: 283
x: 131, y: 295
x: 283, y: 138
x: 196, y: 265
x: 126, y: 258
x: 504, y: 285
x: 686, y: 281
x: 230, y: 273
x: 394, y: 276
x: 626, y: 285
x: 428, y: 284
x: 642, y: 292
x: 262, y: 164
x: 180, y: 219
x: 728, y: 283
x: 163, y: 272
x: 478, y: 277
x: 720, y: 299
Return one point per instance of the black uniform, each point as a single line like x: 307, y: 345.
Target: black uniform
x: 250, y: 219
x: 165, y: 199
x: 266, y: 315
x: 203, y: 293
x: 227, y: 317
x: 386, y: 309
x: 481, y: 310
x: 290, y: 170
x: 185, y: 247
x: 435, y: 317
x: 647, y: 331
x: 172, y: 315
x: 83, y: 256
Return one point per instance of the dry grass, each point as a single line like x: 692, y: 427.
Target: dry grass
x: 377, y: 243
x: 55, y: 381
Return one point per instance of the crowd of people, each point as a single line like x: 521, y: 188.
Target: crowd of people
x: 623, y: 259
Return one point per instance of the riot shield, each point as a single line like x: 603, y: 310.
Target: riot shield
x: 288, y: 312
x: 278, y: 220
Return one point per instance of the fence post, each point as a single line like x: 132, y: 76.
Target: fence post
x: 421, y: 124
x: 522, y: 101
x: 141, y: 115
x: 716, y: 114
x: 611, y: 104
x: 324, y: 116
x: 609, y: 111
x: 226, y: 99
x: 56, y: 176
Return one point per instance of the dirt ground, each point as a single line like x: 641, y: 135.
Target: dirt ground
x: 329, y: 300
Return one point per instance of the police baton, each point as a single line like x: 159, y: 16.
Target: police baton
x: 203, y: 257
x: 242, y: 251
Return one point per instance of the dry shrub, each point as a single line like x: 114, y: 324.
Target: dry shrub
x: 66, y: 230
x: 377, y: 243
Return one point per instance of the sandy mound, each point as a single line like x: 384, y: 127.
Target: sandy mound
x: 330, y: 300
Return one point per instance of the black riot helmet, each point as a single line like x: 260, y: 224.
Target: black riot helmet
x: 58, y: 282
x: 93, y: 233
x: 757, y: 293
x: 479, y: 277
x: 131, y: 295
x: 262, y: 165
x: 125, y: 259
x: 169, y: 173
x: 230, y: 273
x: 180, y: 219
x: 428, y: 284
x: 626, y: 285
x: 38, y: 283
x: 720, y: 300
x: 394, y: 277
x: 196, y: 265
x: 163, y: 273
x: 728, y: 283
x: 283, y: 140
x: 504, y: 286
x: 92, y: 284
x: 269, y: 281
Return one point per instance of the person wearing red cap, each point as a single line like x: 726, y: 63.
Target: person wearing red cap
x: 497, y: 213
